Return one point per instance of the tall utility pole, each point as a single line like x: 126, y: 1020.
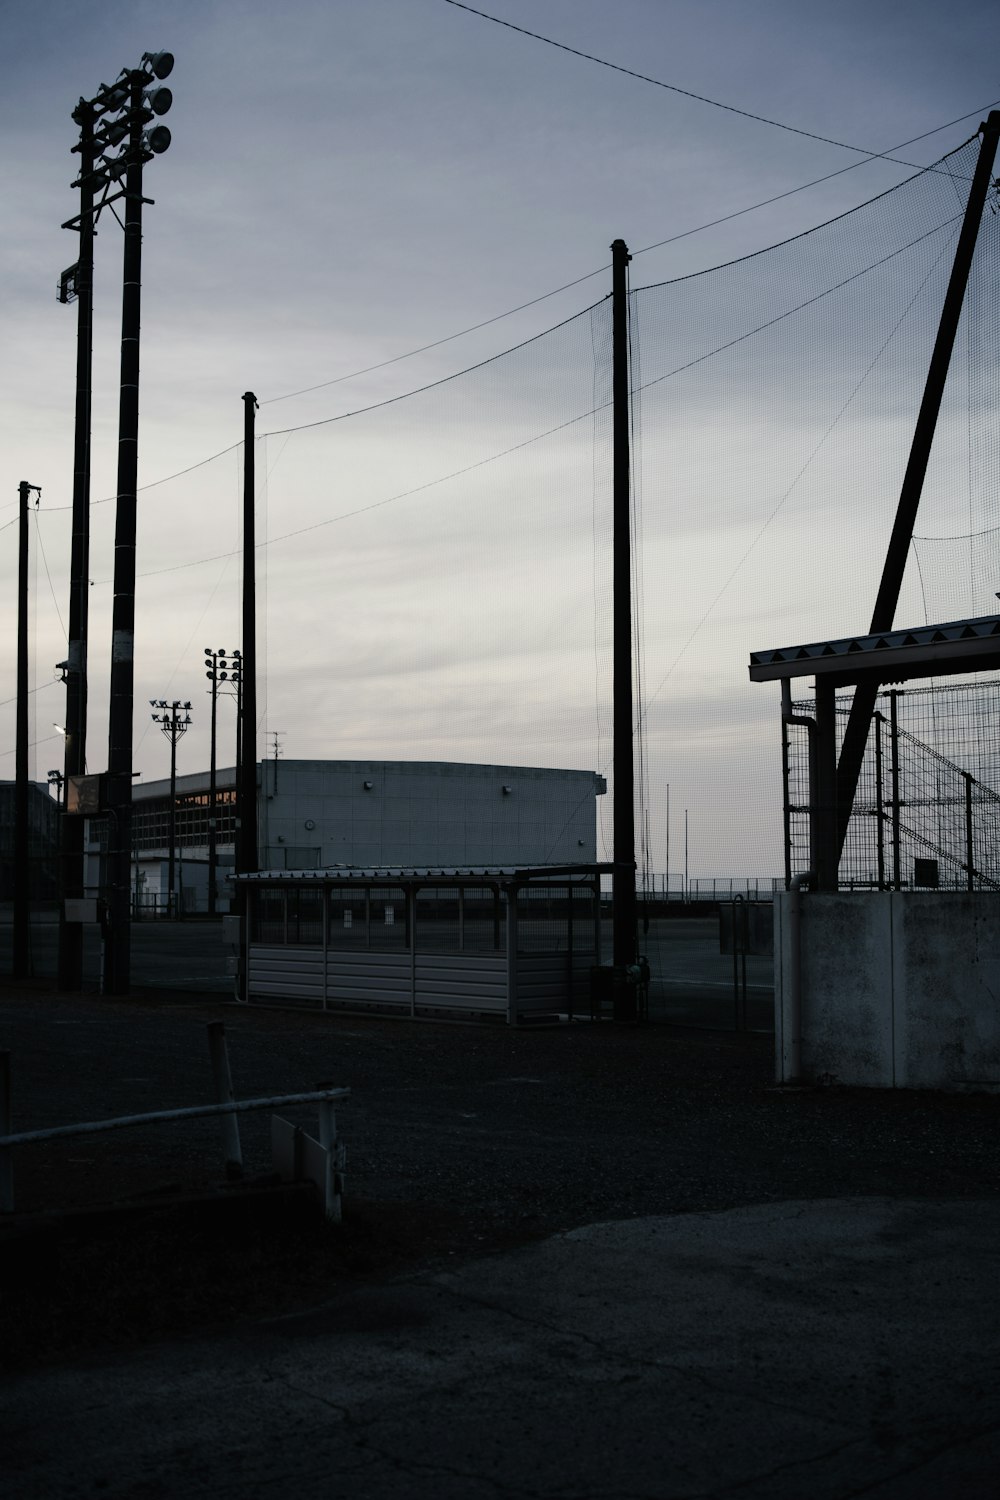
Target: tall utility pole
x: 624, y: 934
x: 865, y: 695
x: 78, y: 283
x: 246, y: 771
x: 173, y: 726
x: 141, y: 148
x: 22, y: 895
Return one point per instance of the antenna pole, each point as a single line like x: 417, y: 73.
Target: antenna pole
x: 246, y: 771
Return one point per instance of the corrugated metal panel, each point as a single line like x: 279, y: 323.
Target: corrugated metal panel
x: 369, y: 977
x: 543, y: 982
x: 465, y: 981
x: 294, y: 973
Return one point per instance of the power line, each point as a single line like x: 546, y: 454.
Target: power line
x: 436, y: 344
x: 570, y: 422
x: 657, y: 245
x: 674, y: 88
x: 600, y: 270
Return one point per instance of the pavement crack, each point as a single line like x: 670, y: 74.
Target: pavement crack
x: 970, y: 1436
x: 629, y: 1359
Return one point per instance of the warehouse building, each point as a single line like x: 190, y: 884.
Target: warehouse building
x: 324, y: 815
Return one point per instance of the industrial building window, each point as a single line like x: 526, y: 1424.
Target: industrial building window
x: 347, y: 919
x: 387, y: 919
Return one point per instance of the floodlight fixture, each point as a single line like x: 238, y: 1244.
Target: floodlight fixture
x: 157, y: 140
x: 113, y: 133
x: 158, y: 100
x: 112, y: 96
x: 161, y: 64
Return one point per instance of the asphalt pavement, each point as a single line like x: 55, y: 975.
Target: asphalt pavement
x: 827, y: 1349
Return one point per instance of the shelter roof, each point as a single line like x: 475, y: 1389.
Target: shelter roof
x: 395, y: 874
x: 891, y: 656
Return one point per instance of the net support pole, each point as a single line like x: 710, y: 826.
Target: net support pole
x: 624, y: 912
x: 246, y: 770
x: 21, y: 934
x: 865, y: 694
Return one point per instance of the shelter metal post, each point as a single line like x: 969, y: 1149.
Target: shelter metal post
x: 826, y: 853
x: 894, y: 775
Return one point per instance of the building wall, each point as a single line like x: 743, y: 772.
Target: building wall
x: 424, y: 813
x: 43, y: 842
x: 898, y: 989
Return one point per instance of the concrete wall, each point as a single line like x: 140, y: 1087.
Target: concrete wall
x: 898, y: 989
x: 426, y: 813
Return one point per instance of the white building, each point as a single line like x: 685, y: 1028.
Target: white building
x: 323, y: 814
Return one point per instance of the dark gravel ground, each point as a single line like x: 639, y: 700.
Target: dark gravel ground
x: 461, y: 1139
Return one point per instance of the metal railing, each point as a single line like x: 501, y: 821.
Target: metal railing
x: 225, y: 1107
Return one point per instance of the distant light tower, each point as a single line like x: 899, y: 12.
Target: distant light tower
x: 222, y: 666
x: 173, y: 726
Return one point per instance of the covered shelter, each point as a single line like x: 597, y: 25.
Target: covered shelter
x: 507, y: 944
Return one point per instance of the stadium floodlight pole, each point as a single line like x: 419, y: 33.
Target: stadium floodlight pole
x: 77, y: 283
x: 143, y: 105
x: 22, y: 896
x: 246, y: 771
x: 173, y: 726
x: 221, y: 666
x: 624, y: 933
x: 865, y: 694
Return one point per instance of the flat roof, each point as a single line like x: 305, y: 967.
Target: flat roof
x: 892, y: 656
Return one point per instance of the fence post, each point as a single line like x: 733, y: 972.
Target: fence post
x: 333, y: 1187
x: 894, y: 774
x: 6, y: 1128
x: 969, y: 845
x: 879, y: 803
x: 231, y: 1149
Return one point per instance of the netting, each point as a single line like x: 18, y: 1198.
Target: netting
x: 434, y: 566
x: 927, y: 811
x: 777, y: 398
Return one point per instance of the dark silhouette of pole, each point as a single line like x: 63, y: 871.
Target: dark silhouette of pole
x: 865, y: 695
x: 246, y: 771
x: 21, y: 893
x: 624, y: 934
x: 71, y: 829
x: 118, y: 947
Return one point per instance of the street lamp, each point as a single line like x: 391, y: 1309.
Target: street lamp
x: 173, y: 726
x: 222, y: 666
x: 117, y: 137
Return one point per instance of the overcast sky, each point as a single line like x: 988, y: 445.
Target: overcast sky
x: 349, y: 181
